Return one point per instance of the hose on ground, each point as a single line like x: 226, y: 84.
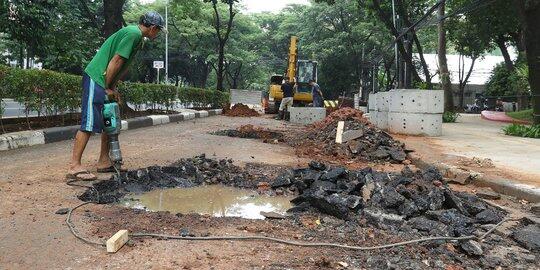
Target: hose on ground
x: 72, y: 227
x: 332, y: 245
x: 283, y: 241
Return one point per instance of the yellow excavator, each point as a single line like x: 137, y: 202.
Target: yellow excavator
x: 299, y: 71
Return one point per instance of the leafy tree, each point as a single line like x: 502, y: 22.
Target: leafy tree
x: 72, y: 39
x: 470, y: 42
x: 223, y: 31
x: 27, y: 22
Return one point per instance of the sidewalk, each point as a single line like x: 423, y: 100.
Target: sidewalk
x: 515, y: 158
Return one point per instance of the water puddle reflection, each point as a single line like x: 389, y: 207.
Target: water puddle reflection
x: 215, y: 200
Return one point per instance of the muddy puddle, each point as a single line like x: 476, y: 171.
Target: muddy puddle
x: 214, y: 200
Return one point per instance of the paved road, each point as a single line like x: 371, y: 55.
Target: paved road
x: 14, y: 109
x: 32, y: 188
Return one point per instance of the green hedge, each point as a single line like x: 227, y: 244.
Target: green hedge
x: 57, y: 92
x: 145, y: 93
x: 41, y: 89
x: 199, y: 98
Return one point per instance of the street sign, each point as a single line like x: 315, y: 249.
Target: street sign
x: 159, y: 64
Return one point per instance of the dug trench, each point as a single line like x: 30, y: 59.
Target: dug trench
x: 332, y: 204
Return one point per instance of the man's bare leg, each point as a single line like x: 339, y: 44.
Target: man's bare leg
x: 104, y: 160
x: 81, y: 139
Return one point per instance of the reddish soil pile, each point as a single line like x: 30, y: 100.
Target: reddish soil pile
x: 318, y: 141
x: 345, y: 114
x: 239, y: 110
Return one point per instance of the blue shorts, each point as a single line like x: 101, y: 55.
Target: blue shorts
x: 92, y: 106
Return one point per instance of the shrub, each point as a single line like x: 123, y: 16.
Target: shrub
x: 523, y: 131
x: 41, y: 90
x: 202, y: 98
x: 450, y: 117
x: 54, y: 92
x: 504, y: 82
x: 150, y: 94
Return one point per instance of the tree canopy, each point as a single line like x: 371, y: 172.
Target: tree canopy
x: 216, y: 44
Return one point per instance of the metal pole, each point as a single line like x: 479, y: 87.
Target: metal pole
x: 167, y: 42
x: 395, y: 45
x: 158, y: 76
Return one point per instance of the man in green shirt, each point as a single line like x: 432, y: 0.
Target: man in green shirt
x: 99, y: 82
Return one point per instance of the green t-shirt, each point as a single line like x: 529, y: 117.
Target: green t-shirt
x: 125, y: 42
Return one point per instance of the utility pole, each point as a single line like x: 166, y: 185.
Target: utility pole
x: 361, y: 92
x: 396, y: 44
x: 167, y: 42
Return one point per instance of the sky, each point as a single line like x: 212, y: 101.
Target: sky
x: 254, y: 6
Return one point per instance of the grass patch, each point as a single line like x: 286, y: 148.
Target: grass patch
x: 523, y: 131
x: 526, y: 115
x: 450, y: 117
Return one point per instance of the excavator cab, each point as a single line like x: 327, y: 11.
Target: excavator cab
x: 306, y: 70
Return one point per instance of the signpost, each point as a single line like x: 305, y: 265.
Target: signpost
x: 158, y: 65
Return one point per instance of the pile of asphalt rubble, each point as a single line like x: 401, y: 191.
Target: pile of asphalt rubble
x: 374, y: 144
x: 184, y: 173
x: 409, y: 200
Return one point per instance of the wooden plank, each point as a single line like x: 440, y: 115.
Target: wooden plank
x: 117, y: 241
x: 345, y: 136
x: 339, y: 132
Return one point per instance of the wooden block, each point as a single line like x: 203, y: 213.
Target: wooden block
x: 117, y: 241
x: 339, y: 132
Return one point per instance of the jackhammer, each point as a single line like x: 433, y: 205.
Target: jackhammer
x: 112, y: 126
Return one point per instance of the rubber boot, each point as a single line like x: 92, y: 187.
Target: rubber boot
x: 287, y: 116
x: 279, y: 116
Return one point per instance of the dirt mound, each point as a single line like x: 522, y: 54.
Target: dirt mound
x: 239, y: 110
x: 251, y: 132
x: 374, y: 145
x: 344, y: 114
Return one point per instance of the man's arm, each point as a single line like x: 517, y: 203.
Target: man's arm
x: 114, y: 67
x: 119, y: 78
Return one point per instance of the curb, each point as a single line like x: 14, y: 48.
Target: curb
x: 29, y: 138
x: 500, y: 185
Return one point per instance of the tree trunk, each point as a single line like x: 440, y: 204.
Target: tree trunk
x: 443, y: 66
x: 529, y: 13
x: 21, y: 57
x: 464, y: 79
x: 112, y: 12
x: 501, y: 43
x: 206, y: 72
x: 220, y: 67
x: 518, y: 38
x: 401, y: 9
x: 222, y: 41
